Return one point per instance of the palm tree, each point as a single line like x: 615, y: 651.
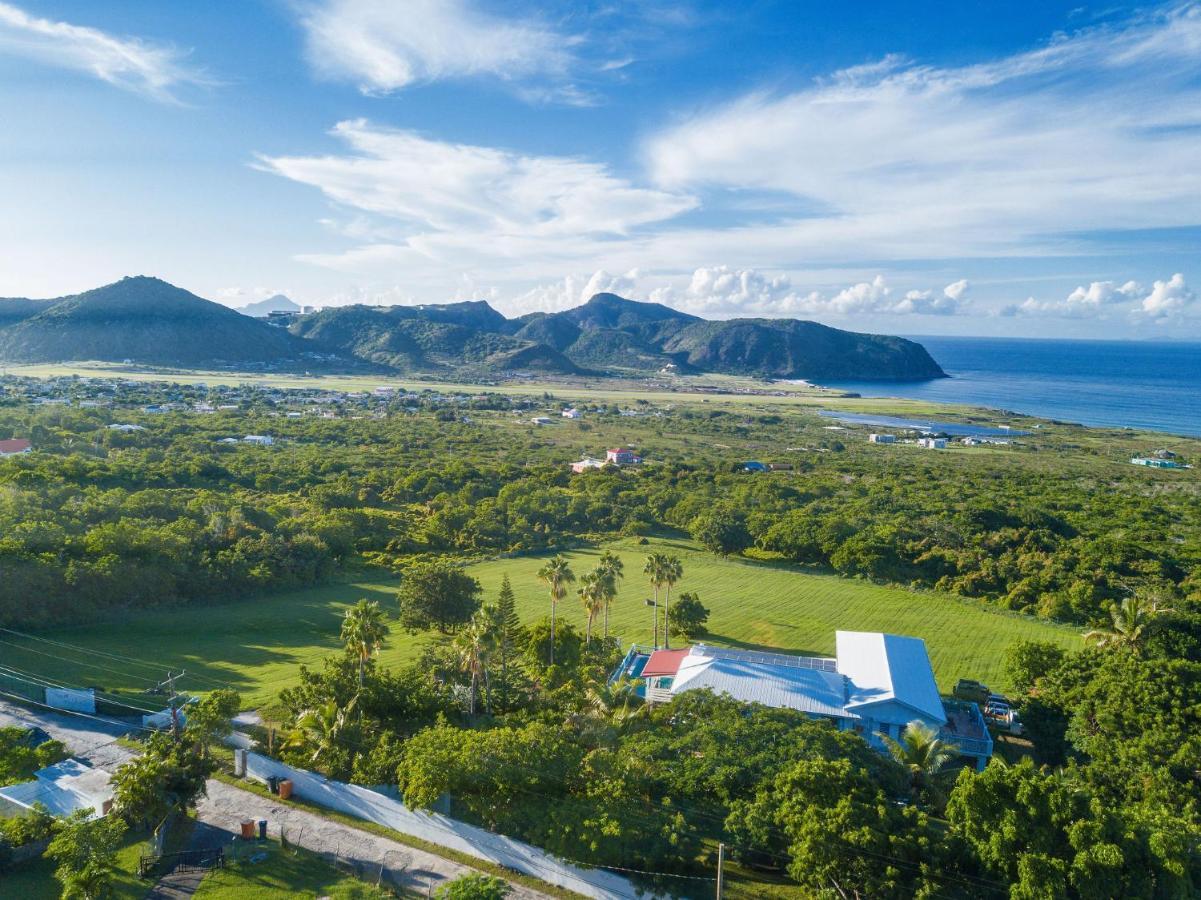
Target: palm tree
x: 473, y: 646
x: 592, y: 592
x: 610, y: 566
x: 653, y: 569
x: 320, y: 731
x: 673, y: 571
x: 1130, y: 622
x: 364, y: 630
x: 615, y: 702
x: 924, y: 756
x: 556, y: 574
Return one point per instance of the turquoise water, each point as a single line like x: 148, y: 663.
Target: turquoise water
x: 1120, y: 384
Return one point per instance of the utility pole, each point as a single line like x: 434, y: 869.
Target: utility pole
x: 170, y: 685
x: 721, y: 865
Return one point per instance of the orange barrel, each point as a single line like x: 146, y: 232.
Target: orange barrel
x: 248, y: 829
x: 285, y: 789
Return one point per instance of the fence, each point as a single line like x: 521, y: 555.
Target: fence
x: 443, y: 831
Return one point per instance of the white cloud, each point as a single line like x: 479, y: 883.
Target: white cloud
x: 482, y: 191
x: 1098, y: 299
x: 1010, y: 157
x: 572, y: 291
x: 127, y: 62
x: 1167, y: 298
x: 386, y: 45
x: 723, y: 291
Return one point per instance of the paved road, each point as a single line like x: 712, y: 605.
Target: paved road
x: 86, y: 739
x: 226, y: 806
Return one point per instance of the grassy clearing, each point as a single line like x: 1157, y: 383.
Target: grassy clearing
x: 256, y: 644
x: 281, y: 874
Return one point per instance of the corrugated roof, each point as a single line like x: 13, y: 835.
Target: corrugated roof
x: 63, y: 788
x: 789, y: 687
x: 888, y: 667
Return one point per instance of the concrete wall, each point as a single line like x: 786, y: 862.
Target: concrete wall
x: 83, y: 701
x: 441, y: 830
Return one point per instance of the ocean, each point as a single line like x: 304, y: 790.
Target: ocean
x: 1133, y: 384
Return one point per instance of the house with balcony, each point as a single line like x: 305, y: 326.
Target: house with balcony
x: 876, y: 685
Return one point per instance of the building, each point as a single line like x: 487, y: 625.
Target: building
x: 882, y: 438
x: 540, y: 420
x: 572, y: 413
x: 262, y: 440
x: 876, y: 685
x: 62, y: 789
x: 587, y: 463
x: 122, y: 427
x: 753, y: 465
x: 621, y: 456
x: 933, y: 443
x: 1155, y: 462
x: 15, y: 446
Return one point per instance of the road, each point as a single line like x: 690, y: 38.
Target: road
x: 226, y: 806
x: 89, y: 739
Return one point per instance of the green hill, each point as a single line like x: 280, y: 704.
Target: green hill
x: 148, y: 321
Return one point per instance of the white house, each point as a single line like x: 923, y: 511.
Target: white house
x: 882, y: 438
x: 933, y: 443
x: 572, y: 413
x: 263, y: 440
x: 62, y: 789
x: 587, y: 463
x: 876, y: 685
x: 540, y: 420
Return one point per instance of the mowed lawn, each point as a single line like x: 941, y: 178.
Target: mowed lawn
x: 257, y: 645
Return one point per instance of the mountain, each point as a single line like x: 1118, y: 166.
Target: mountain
x: 148, y: 321
x: 152, y: 322
x: 610, y: 333
x: 274, y: 303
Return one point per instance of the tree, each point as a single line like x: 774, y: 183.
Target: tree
x: 688, y: 620
x: 86, y: 852
x: 925, y: 758
x: 673, y: 571
x: 475, y: 887
x: 437, y: 594
x: 1028, y: 661
x: 363, y: 632
x: 592, y: 594
x: 209, y: 719
x: 473, y: 648
x: 508, y: 632
x: 611, y: 568
x: 654, y: 570
x: 1130, y: 622
x: 325, y: 738
x: 721, y: 530
x: 168, y: 777
x: 556, y: 575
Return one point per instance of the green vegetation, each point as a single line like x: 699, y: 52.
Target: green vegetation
x: 35, y: 879
x: 256, y: 645
x: 282, y: 875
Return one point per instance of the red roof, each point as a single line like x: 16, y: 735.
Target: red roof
x: 16, y: 445
x: 664, y: 662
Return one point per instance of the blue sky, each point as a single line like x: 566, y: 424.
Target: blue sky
x: 923, y: 168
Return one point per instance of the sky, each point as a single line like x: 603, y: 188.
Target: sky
x: 977, y: 168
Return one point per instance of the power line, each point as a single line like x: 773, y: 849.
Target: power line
x: 77, y: 662
x: 18, y: 675
x: 72, y: 712
x: 115, y: 657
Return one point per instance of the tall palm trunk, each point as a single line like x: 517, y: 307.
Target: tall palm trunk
x: 474, y: 679
x: 656, y: 608
x: 606, y: 619
x: 667, y: 618
x: 552, y: 630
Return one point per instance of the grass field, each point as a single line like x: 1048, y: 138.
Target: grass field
x: 280, y: 875
x: 257, y: 644
x: 35, y: 880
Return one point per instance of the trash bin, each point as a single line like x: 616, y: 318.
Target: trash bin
x: 248, y: 829
x: 273, y: 783
x: 285, y: 789
x: 262, y: 829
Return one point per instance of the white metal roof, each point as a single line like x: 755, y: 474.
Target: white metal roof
x: 809, y: 690
x: 63, y: 788
x: 888, y: 667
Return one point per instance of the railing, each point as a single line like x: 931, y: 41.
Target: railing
x: 658, y: 695
x: 183, y: 861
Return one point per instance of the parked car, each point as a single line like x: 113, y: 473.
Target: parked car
x: 972, y: 691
